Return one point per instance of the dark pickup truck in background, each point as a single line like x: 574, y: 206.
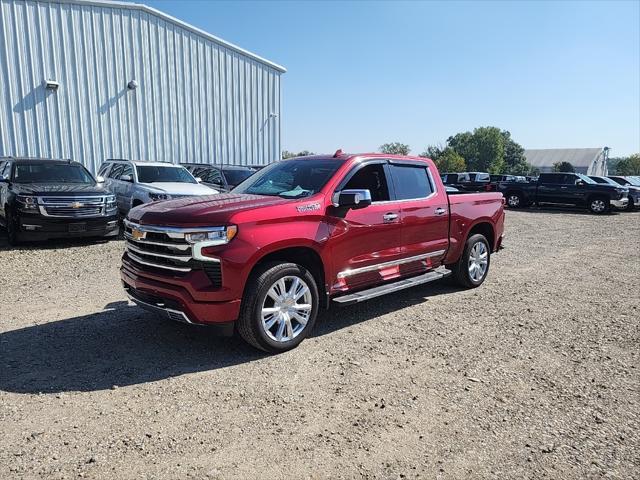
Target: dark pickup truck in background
x: 565, y: 189
x: 43, y: 198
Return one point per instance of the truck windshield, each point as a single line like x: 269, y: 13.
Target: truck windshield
x: 290, y: 178
x: 51, y: 173
x: 154, y: 174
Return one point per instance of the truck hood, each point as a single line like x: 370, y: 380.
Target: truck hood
x: 200, y: 211
x: 59, y: 189
x: 179, y: 188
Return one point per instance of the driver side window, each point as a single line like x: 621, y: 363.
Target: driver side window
x: 372, y: 178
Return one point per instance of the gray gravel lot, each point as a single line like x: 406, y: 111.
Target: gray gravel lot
x: 535, y: 374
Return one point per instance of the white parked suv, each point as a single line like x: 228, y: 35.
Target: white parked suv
x: 135, y: 183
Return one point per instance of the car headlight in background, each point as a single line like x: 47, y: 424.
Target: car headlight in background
x: 213, y: 236
x: 27, y: 202
x: 159, y: 196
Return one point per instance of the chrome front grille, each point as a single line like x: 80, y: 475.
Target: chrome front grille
x: 74, y: 207
x: 165, y: 250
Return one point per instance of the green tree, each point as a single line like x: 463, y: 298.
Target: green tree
x: 515, y: 163
x: 395, y: 148
x: 483, y: 149
x: 450, y: 161
x: 489, y: 149
x: 563, y: 167
x: 433, y: 152
x: 287, y: 154
x: 629, y: 165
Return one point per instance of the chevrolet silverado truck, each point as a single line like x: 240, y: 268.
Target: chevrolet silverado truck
x: 572, y: 189
x: 302, y: 234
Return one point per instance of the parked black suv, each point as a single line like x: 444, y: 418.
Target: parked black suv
x: 221, y: 177
x: 565, y: 189
x: 634, y: 191
x: 43, y: 198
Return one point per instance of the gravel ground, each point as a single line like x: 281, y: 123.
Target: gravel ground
x: 535, y: 374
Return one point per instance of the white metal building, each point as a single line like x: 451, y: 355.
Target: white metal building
x: 589, y: 161
x: 94, y: 79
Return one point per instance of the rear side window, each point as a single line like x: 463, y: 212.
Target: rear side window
x: 411, y: 182
x: 551, y: 178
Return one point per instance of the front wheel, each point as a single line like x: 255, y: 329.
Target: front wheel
x: 12, y: 229
x: 473, y: 266
x: 279, y: 308
x: 599, y: 205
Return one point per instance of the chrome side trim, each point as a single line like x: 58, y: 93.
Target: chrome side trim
x: 137, y: 259
x: 179, y: 258
x: 377, y: 266
x: 155, y: 308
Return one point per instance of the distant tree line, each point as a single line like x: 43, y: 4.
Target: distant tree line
x: 486, y: 149
x: 626, y: 165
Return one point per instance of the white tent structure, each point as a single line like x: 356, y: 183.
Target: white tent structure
x: 589, y: 161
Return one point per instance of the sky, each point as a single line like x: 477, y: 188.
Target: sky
x: 360, y: 74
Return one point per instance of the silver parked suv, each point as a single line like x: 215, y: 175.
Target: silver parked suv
x: 135, y: 183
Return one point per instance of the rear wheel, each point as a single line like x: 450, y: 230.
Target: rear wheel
x: 280, y: 307
x: 599, y: 205
x: 514, y: 200
x: 473, y: 266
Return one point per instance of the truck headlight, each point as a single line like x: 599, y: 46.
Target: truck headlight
x: 27, y: 202
x: 159, y: 196
x: 214, y: 236
x: 110, y: 202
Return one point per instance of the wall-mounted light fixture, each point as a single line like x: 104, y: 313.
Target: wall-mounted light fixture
x: 51, y: 84
x: 132, y: 85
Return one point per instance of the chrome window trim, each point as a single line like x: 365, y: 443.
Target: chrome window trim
x: 377, y: 266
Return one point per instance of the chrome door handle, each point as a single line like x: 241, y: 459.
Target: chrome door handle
x: 390, y: 217
x: 439, y: 211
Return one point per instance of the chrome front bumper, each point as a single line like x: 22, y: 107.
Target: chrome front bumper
x: 621, y: 203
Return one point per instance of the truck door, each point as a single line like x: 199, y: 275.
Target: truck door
x: 549, y: 188
x: 366, y: 243
x: 424, y: 214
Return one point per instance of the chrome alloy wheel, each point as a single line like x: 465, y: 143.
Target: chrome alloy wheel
x: 286, y: 309
x: 513, y: 200
x: 478, y: 261
x: 598, y: 205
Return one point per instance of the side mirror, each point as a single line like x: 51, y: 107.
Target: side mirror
x: 354, y: 199
x: 100, y: 179
x: 126, y: 178
x: 580, y: 183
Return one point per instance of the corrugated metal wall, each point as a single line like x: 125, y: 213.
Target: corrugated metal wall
x: 197, y: 101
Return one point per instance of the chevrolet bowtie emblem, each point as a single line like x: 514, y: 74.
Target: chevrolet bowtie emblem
x: 137, y: 234
x: 76, y: 205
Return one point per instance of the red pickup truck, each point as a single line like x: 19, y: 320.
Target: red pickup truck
x: 301, y: 234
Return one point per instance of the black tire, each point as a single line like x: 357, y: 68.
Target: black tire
x: 514, y: 200
x: 249, y: 324
x: 630, y: 206
x: 460, y: 269
x: 12, y: 228
x: 599, y: 205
